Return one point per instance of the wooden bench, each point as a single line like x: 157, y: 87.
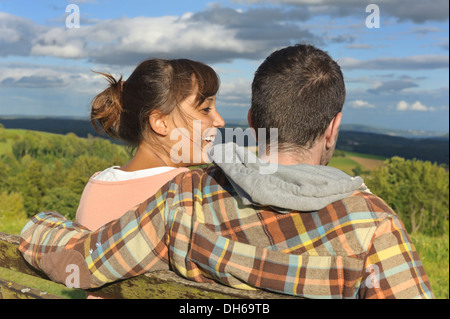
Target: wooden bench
x: 154, y: 285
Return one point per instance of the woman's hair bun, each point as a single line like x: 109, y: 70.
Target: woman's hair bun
x: 107, y: 107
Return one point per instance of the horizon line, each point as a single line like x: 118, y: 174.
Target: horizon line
x: 232, y: 120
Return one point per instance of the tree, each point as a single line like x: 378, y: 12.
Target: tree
x: 11, y: 206
x: 2, y: 133
x: 62, y: 200
x: 30, y: 184
x: 12, y: 213
x: 339, y: 153
x: 83, y: 168
x: 357, y: 170
x: 50, y: 171
x: 417, y: 191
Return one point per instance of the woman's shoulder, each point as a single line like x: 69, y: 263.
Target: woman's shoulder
x: 115, y: 174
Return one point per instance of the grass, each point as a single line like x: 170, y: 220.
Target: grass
x: 9, y: 226
x: 361, y: 162
x: 369, y: 156
x: 41, y: 284
x: 344, y: 164
x: 434, y: 254
x: 367, y: 164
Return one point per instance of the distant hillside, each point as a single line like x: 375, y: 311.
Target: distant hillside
x: 79, y: 127
x: 429, y: 149
x: 416, y: 134
x: 354, y: 138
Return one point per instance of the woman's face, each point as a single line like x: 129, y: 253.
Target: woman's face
x: 194, y: 131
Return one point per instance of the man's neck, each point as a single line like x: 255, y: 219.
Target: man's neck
x: 288, y: 158
x: 312, y: 156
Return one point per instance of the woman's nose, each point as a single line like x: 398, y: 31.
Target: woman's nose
x: 218, y: 121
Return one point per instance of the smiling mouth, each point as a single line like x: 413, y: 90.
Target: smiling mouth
x: 209, y: 138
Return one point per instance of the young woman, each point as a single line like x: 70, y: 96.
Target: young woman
x: 166, y: 112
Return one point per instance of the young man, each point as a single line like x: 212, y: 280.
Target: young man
x: 303, y: 229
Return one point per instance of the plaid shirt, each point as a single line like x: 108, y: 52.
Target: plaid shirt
x: 197, y: 226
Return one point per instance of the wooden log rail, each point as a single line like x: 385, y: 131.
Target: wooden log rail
x: 154, y: 285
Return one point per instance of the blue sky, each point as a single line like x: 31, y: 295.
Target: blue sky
x: 396, y: 75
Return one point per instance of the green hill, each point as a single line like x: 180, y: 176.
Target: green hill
x: 433, y: 150
x: 45, y: 171
x: 352, y: 138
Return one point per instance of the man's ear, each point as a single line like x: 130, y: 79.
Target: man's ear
x: 249, y: 118
x: 333, y: 131
x: 158, y: 122
x: 250, y: 124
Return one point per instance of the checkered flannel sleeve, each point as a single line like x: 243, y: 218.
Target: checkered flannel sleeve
x: 126, y: 247
x: 393, y: 268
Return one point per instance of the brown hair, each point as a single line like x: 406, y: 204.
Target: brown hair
x: 122, y: 110
x: 299, y: 90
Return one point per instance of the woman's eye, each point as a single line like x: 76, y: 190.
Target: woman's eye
x: 206, y: 109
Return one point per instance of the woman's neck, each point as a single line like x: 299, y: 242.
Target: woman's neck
x: 148, y: 157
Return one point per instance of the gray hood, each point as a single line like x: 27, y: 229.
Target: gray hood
x: 300, y: 187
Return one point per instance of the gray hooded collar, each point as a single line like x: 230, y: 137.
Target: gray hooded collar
x: 299, y: 187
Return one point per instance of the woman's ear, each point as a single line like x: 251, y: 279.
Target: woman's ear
x: 159, y: 123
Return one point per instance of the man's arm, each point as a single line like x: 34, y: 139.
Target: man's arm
x: 393, y: 268
x: 123, y: 248
x: 166, y: 228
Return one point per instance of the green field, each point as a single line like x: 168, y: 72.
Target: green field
x: 355, y: 162
x: 345, y: 164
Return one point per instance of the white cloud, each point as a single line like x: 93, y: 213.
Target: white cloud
x: 77, y: 80
x: 424, y: 30
x: 16, y: 34
x: 214, y: 35
x: 426, y: 61
x: 418, y: 11
x: 393, y: 86
x: 363, y: 46
x: 229, y: 35
x: 416, y: 106
x: 83, y: 1
x: 130, y: 40
x: 235, y: 93
x: 360, y: 104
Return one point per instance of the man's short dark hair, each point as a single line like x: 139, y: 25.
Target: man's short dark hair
x: 299, y: 90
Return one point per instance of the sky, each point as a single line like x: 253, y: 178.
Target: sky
x: 394, y: 53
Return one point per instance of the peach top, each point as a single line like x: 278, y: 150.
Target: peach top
x: 111, y: 193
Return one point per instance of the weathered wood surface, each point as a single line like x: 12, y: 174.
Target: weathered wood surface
x: 154, y: 285
x: 12, y: 290
x: 10, y: 257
